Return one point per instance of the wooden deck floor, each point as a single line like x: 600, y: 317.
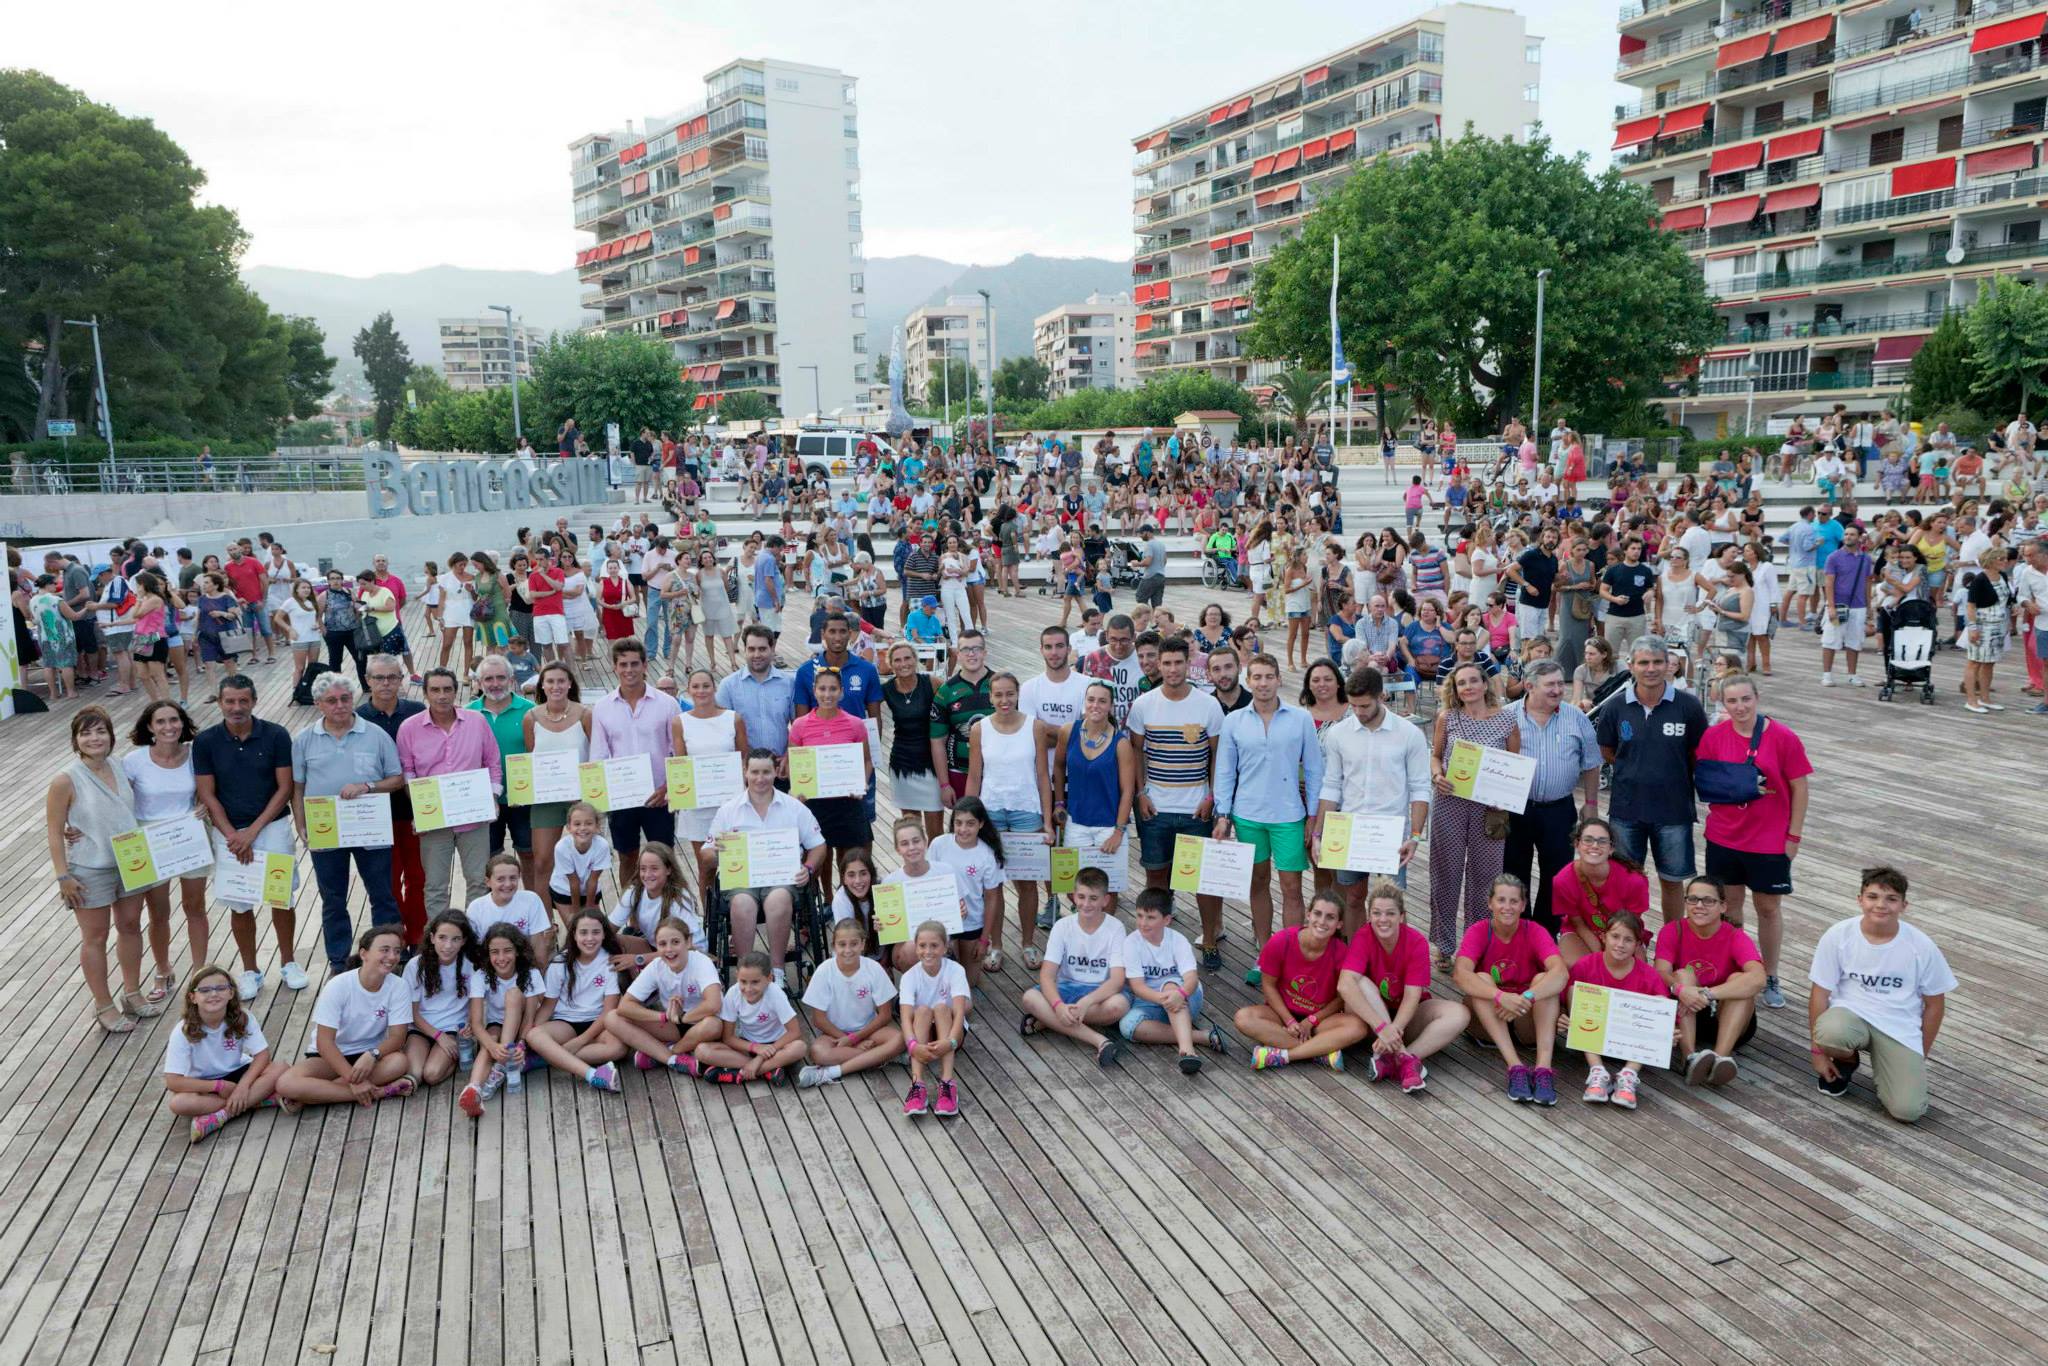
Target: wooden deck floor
x: 1073, y: 1215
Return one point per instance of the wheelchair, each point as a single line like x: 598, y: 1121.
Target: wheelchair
x: 810, y: 932
x: 1218, y: 572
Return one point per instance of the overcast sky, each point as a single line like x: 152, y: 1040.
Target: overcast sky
x: 379, y: 136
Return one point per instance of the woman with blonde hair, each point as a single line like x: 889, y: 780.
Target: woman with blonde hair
x: 1466, y: 840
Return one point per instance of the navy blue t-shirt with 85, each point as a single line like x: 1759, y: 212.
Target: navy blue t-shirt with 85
x: 244, y: 771
x: 1653, y: 755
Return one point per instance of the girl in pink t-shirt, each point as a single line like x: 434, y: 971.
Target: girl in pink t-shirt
x: 1511, y: 974
x: 1716, y: 973
x: 1618, y: 969
x: 1302, y: 1017
x: 1385, y: 982
x: 1587, y: 892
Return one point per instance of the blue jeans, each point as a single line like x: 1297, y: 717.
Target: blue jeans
x: 1156, y: 836
x: 330, y: 871
x: 655, y: 634
x: 1150, y: 1012
x: 1672, y: 845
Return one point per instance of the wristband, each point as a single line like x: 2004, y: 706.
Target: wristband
x: 1791, y: 839
x: 1816, y: 1050
x: 1384, y: 1028
x: 219, y: 1082
x: 1314, y: 1018
x: 1496, y: 999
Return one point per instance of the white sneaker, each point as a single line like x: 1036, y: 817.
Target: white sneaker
x: 775, y: 974
x: 293, y: 976
x: 249, y: 985
x: 1827, y: 680
x: 1855, y: 680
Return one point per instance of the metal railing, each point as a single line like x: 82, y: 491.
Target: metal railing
x: 1774, y: 12
x: 1733, y: 131
x: 1778, y: 66
x: 1835, y: 327
x: 1697, y: 140
x: 1866, y: 270
x: 341, y: 473
x: 1670, y: 45
x: 1932, y: 142
x: 2025, y: 187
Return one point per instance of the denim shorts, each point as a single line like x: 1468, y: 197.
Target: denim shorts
x: 1070, y: 992
x: 1347, y: 878
x: 1156, y: 836
x: 1009, y: 818
x: 1142, y: 1011
x: 1671, y: 844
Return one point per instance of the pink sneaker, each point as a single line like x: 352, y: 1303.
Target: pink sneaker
x: 646, y: 1062
x: 917, y: 1102
x: 948, y: 1106
x: 205, y: 1125
x: 1384, y: 1067
x: 1414, y: 1076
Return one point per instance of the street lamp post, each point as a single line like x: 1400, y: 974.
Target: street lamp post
x: 1536, y: 400
x: 99, y: 379
x: 512, y: 350
x: 988, y: 370
x: 1753, y: 369
x: 817, y: 403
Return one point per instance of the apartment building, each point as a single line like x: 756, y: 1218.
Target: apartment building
x: 1843, y: 174
x: 954, y: 330
x: 483, y: 353
x: 1087, y: 345
x: 731, y: 230
x: 1217, y: 188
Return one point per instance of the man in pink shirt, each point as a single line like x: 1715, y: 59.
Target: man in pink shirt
x: 381, y: 567
x: 635, y: 719
x: 544, y: 591
x: 440, y: 740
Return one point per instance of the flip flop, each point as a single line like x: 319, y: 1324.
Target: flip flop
x: 1028, y: 1025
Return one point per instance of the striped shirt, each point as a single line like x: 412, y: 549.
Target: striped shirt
x: 1177, y: 740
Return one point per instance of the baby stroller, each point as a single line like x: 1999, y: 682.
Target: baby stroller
x: 1124, y: 557
x: 1908, y: 649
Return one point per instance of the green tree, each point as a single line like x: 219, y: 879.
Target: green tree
x: 387, y: 362
x: 2008, y: 333
x: 1944, y: 371
x: 1298, y: 393
x: 309, y: 374
x: 1022, y: 378
x: 1624, y: 308
x: 604, y: 377
x: 98, y: 218
x: 745, y: 405
x: 955, y: 379
x: 423, y: 385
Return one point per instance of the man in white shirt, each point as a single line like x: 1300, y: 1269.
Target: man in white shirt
x: 1054, y: 696
x: 762, y: 808
x: 1879, y: 986
x: 1695, y: 540
x: 1374, y: 764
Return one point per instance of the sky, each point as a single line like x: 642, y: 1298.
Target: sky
x: 380, y: 137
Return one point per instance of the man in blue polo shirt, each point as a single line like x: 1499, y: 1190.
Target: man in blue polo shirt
x: 1650, y: 735
x: 862, y: 680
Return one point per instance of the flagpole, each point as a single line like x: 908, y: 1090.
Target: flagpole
x: 1335, y: 343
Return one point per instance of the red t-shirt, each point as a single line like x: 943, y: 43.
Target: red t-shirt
x: 245, y: 576
x: 1393, y: 970
x: 1757, y: 827
x: 1641, y: 977
x: 1623, y: 891
x: 1512, y: 963
x: 1713, y: 958
x: 397, y: 587
x: 544, y: 591
x: 1305, y: 983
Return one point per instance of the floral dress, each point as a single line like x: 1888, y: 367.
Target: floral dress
x: 53, y: 631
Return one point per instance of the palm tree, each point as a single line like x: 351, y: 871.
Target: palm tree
x: 1296, y: 392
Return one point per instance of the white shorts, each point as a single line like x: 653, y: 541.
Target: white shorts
x: 1078, y: 836
x: 552, y: 629
x: 1531, y: 621
x: 1806, y: 579
x: 274, y: 838
x: 1842, y: 635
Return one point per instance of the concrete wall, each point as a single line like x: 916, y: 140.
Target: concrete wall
x: 82, y: 516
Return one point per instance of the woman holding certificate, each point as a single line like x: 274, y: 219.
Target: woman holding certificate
x: 705, y: 729
x: 91, y: 796
x: 843, y: 819
x: 1465, y: 853
x: 560, y: 724
x: 160, y: 776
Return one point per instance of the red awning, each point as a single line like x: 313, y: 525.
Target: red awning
x: 1263, y: 198
x: 1314, y: 148
x: 1219, y: 275
x: 2010, y: 32
x: 1805, y: 33
x: 1286, y: 194
x: 1922, y: 176
x: 721, y: 211
x: 1219, y: 113
x: 1742, y: 50
x: 1636, y: 132
x: 1685, y: 219
x: 1630, y: 46
x: 1287, y: 160
x: 1146, y: 144
x: 1241, y: 239
x: 1241, y: 106
x: 1730, y: 211
x: 1220, y: 243
x: 1792, y: 146
x: 1897, y: 350
x: 1686, y: 120
x: 1262, y: 167
x: 1999, y: 159
x: 1339, y: 141
x: 1798, y: 197
x: 691, y: 255
x: 725, y: 308
x: 1316, y: 77
x: 1142, y: 322
x: 711, y: 370
x: 1747, y: 157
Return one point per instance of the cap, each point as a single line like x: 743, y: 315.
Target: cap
x: 926, y: 601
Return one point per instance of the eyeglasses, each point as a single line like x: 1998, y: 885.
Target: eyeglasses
x: 214, y: 989
x: 1595, y: 842
x: 1703, y: 901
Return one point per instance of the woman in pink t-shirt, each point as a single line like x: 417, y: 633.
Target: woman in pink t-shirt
x: 1752, y: 845
x: 1716, y: 973
x: 1385, y: 983
x: 1586, y: 893
x: 842, y: 820
x: 1511, y: 974
x: 1302, y: 1016
x: 1618, y: 968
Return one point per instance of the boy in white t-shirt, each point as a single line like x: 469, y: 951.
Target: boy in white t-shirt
x: 936, y: 1000
x: 761, y: 1035
x: 508, y: 903
x: 853, y: 1008
x: 1081, y: 980
x: 1881, y: 986
x: 1162, y: 981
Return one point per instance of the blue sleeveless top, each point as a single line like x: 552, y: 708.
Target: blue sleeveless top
x: 1094, y: 788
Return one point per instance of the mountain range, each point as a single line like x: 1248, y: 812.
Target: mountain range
x: 1019, y: 290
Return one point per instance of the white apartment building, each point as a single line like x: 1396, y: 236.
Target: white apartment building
x: 732, y: 231
x: 1087, y: 345
x: 1843, y: 175
x: 954, y: 330
x: 1217, y: 188
x: 482, y: 353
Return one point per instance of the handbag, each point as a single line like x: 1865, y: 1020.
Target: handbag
x: 236, y: 642
x: 1582, y: 606
x: 1494, y: 824
x: 1725, y: 782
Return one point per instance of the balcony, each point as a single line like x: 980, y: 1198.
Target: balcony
x: 1637, y: 9
x: 1835, y: 327
x: 1699, y: 140
x: 1779, y: 66
x: 1763, y: 16
x: 1872, y: 270
x: 2025, y: 187
x: 1291, y: 103
x: 1855, y: 379
x: 1667, y: 47
x: 1932, y: 143
x: 1976, y: 73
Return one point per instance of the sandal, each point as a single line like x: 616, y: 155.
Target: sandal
x: 1027, y: 1025
x: 140, y: 1006
x: 114, y: 1020
x: 993, y: 960
x: 162, y: 989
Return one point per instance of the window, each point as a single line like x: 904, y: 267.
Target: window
x: 1529, y: 93
x: 860, y: 374
x: 853, y: 221
x: 1532, y: 53
x: 1429, y: 47
x: 852, y: 128
x: 846, y: 92
x: 787, y: 83
x: 1888, y: 146
x: 853, y: 190
x: 853, y: 158
x: 860, y: 310
x: 2016, y: 233
x: 859, y: 282
x: 860, y: 339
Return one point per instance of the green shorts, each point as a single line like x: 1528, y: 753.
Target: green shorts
x: 1285, y: 843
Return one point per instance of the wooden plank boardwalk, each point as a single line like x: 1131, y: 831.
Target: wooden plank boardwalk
x: 1073, y: 1215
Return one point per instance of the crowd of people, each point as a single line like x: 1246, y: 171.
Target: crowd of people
x: 1621, y: 647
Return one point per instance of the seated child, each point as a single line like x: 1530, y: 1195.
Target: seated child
x: 853, y: 1009
x: 1162, y: 982
x: 1081, y: 978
